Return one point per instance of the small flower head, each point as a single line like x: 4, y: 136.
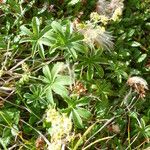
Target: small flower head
x: 139, y: 85
x: 25, y: 67
x: 39, y: 143
x: 97, y: 37
x: 55, y: 146
x: 116, y: 14
x: 60, y: 130
x: 51, y: 115
x: 101, y: 7
x: 2, y: 1
x: 111, y: 10
x: 114, y: 128
x: 104, y: 19
x: 79, y: 88
x: 94, y: 16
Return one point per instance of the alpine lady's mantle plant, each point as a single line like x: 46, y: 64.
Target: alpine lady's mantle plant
x: 60, y: 89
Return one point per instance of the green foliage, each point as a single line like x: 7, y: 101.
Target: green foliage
x: 37, y: 38
x: 91, y: 62
x: 76, y: 111
x: 37, y: 98
x: 55, y: 82
x: 72, y: 45
x: 55, y: 72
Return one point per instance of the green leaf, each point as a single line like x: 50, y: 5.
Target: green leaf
x: 79, y: 47
x: 41, y: 51
x: 84, y: 113
x: 26, y: 31
x: 14, y: 130
x: 56, y: 69
x: 36, y: 26
x: 72, y: 51
x: 56, y: 27
x: 68, y: 30
x: 34, y: 48
x: 32, y: 119
x: 135, y: 44
x: 6, y: 137
x: 47, y: 73
x: 46, y: 31
x: 26, y: 39
x: 99, y: 70
x: 90, y: 72
x: 77, y: 119
x: 60, y: 89
x: 27, y: 96
x: 49, y: 96
x: 69, y: 101
x: 133, y: 115
x: 73, y: 2
x: 131, y: 32
x: 3, y: 143
x: 63, y: 80
x: 142, y: 57
x: 82, y: 101
x: 45, y: 41
x: 76, y: 38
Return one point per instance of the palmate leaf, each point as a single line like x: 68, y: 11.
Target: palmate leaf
x: 91, y: 63
x: 45, y: 31
x: 55, y: 82
x: 34, y: 48
x: 79, y: 47
x: 64, y: 39
x: 75, y: 110
x: 6, y: 138
x: 37, y: 96
x: 69, y: 101
x: 37, y: 38
x: 26, y: 39
x: 73, y: 52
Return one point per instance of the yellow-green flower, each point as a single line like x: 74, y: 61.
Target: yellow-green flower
x: 98, y: 37
x: 94, y: 16
x: 116, y: 14
x: 61, y: 127
x: 104, y: 19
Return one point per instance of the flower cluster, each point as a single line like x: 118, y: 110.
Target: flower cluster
x: 60, y: 130
x: 139, y: 85
x: 25, y: 76
x: 96, y: 36
x: 79, y: 88
x: 109, y: 10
